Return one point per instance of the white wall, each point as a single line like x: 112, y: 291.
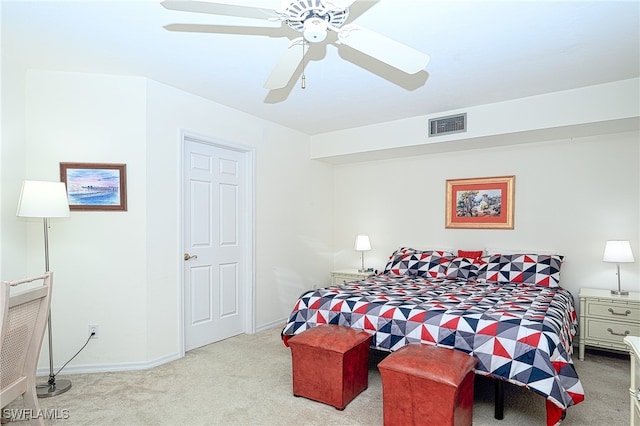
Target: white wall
x: 571, y: 196
x: 98, y: 258
x: 12, y: 167
x: 121, y: 270
x: 600, y: 109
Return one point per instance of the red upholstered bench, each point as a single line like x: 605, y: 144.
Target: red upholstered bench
x: 424, y: 384
x: 330, y: 364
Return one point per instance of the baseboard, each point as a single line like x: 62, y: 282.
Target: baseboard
x: 103, y: 368
x: 277, y: 323
x: 127, y: 366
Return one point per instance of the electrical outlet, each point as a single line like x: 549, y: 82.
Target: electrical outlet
x: 93, y: 331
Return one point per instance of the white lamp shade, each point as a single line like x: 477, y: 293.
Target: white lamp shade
x: 362, y: 243
x: 43, y: 199
x: 618, y: 252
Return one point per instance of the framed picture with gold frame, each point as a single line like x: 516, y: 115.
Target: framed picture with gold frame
x: 95, y: 186
x: 480, y: 203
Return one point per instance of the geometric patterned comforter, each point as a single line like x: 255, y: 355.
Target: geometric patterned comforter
x: 519, y: 333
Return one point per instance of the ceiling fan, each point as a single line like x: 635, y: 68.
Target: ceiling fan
x: 314, y: 19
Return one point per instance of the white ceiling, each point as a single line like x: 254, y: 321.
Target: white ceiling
x: 481, y: 52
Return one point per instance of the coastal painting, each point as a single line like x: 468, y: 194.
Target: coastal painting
x: 95, y: 186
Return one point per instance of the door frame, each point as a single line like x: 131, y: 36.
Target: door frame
x: 249, y: 302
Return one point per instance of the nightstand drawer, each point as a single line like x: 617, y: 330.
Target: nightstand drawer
x: 349, y: 275
x: 614, y: 310
x: 610, y: 331
x: 343, y: 279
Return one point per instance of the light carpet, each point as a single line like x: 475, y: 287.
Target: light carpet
x: 246, y: 380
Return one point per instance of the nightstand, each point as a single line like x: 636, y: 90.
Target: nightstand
x: 347, y: 275
x: 606, y: 319
x: 634, y: 390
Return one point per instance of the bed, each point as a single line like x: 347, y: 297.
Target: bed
x: 507, y: 310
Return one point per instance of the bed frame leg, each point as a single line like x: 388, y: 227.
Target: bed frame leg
x: 499, y: 399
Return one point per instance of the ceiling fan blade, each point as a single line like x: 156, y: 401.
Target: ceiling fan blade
x: 253, y: 9
x: 221, y: 22
x: 337, y: 4
x: 287, y: 64
x: 384, y: 49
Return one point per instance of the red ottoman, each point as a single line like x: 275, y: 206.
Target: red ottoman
x: 330, y: 364
x: 424, y: 384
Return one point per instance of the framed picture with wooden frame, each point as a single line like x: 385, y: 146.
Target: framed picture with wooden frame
x: 480, y: 203
x: 95, y: 186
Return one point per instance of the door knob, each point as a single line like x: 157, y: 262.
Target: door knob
x: 187, y: 256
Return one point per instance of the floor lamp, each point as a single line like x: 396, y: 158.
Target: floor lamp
x: 46, y: 200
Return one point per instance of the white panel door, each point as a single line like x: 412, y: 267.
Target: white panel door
x: 214, y: 234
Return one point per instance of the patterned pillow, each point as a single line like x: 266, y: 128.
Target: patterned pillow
x: 395, y: 259
x: 401, y: 250
x: 408, y: 261
x: 465, y: 268
x: 537, y: 269
x: 394, y: 262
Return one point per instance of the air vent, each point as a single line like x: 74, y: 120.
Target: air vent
x: 448, y: 125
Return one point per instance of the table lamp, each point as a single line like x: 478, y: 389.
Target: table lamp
x: 362, y: 244
x: 618, y: 252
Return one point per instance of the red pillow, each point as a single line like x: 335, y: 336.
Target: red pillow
x: 472, y: 254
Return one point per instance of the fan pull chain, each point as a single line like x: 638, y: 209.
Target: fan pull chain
x: 303, y: 83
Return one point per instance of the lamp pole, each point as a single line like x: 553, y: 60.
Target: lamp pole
x: 51, y: 388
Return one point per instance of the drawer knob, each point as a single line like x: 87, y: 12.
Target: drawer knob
x: 626, y: 333
x: 626, y: 313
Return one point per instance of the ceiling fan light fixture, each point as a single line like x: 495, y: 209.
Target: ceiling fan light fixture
x: 315, y: 30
